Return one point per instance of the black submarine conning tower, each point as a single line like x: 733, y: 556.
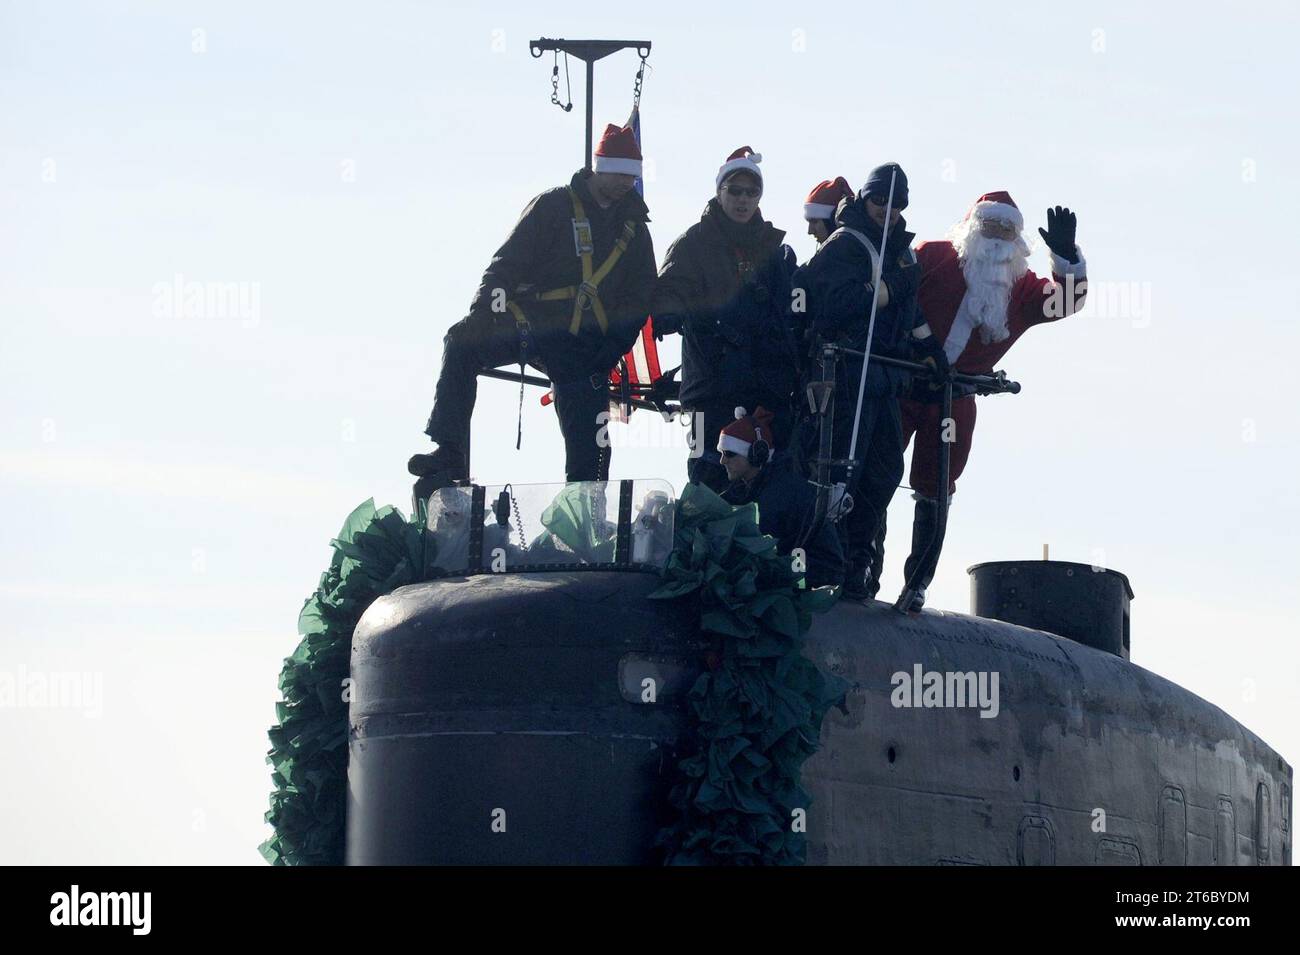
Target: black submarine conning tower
x: 1087, y: 604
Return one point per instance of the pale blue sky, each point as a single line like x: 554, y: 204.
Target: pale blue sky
x: 170, y: 483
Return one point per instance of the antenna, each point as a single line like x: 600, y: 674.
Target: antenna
x: 589, y: 51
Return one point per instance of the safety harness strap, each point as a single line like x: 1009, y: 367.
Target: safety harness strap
x: 525, y: 340
x: 587, y: 295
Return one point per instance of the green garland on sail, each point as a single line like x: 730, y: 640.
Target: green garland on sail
x: 759, y: 708
x: 377, y: 551
x: 758, y: 713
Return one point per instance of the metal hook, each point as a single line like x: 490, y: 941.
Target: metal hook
x: 555, y: 83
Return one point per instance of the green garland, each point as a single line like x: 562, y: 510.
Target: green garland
x: 759, y: 712
x: 759, y: 708
x: 376, y: 552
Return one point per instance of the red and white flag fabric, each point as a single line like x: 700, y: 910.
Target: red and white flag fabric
x: 642, y: 364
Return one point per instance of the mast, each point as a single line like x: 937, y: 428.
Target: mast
x: 589, y: 51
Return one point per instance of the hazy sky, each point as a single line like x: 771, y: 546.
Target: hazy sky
x: 171, y: 480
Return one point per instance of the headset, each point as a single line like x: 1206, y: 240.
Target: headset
x: 760, y: 452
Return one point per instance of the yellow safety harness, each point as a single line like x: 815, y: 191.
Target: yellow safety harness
x: 587, y: 294
x: 584, y: 295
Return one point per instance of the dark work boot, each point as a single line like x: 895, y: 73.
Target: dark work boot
x: 864, y: 554
x: 860, y: 583
x: 856, y: 583
x: 924, y: 525
x: 876, y: 558
x: 438, y: 469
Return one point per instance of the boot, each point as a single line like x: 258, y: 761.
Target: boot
x: 441, y: 468
x: 858, y: 582
x: 876, y: 558
x: 924, y: 523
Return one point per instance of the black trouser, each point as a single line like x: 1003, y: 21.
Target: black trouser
x: 874, y: 480
x: 704, y: 466
x: 927, y: 543
x: 491, y: 341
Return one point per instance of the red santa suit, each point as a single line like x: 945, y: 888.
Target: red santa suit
x: 970, y: 347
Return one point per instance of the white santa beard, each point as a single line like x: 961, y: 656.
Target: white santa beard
x: 991, y: 267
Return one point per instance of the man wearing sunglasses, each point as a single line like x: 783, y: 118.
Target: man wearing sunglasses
x: 725, y: 287
x: 840, y: 282
x: 787, y: 503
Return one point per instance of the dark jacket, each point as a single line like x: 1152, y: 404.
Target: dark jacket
x: 540, y: 254
x: 837, y: 287
x: 786, y: 502
x: 730, y: 303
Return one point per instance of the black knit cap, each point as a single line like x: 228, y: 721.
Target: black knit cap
x: 877, y: 185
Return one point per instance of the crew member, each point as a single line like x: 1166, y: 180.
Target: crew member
x: 819, y: 208
x: 979, y: 296
x: 567, y: 293
x: 725, y: 286
x: 786, y: 502
x: 840, y: 282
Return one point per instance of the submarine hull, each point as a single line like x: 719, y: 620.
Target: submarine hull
x: 535, y: 719
x: 489, y: 723
x: 1088, y: 759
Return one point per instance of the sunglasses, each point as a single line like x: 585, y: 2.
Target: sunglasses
x: 752, y: 192
x: 882, y: 200
x: 729, y: 454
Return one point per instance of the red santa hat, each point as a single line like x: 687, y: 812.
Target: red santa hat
x: 618, y: 151
x: 745, y: 430
x: 743, y: 159
x: 826, y: 195
x: 998, y: 205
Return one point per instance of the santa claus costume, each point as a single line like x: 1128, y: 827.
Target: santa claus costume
x: 979, y: 296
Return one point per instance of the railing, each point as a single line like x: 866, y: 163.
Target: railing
x: 586, y: 525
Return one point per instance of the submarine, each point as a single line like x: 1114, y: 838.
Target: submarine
x: 499, y: 713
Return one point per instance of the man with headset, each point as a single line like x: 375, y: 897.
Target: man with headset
x: 786, y: 502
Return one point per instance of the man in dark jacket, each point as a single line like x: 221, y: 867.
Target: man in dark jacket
x: 567, y: 293
x: 840, y: 282
x: 819, y: 208
x: 725, y: 286
x: 786, y: 502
